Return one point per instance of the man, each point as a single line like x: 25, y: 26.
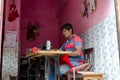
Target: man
x: 74, y: 43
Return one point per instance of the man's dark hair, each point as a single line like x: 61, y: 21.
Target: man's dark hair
x: 67, y: 26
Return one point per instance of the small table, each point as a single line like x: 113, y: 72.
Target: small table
x: 50, y: 53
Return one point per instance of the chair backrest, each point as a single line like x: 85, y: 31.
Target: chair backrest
x: 89, y: 58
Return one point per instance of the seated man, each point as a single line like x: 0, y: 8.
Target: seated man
x: 74, y: 43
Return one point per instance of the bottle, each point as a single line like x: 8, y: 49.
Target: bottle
x: 48, y: 45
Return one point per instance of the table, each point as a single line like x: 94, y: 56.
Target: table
x: 48, y: 54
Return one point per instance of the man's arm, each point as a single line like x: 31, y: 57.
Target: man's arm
x: 76, y: 52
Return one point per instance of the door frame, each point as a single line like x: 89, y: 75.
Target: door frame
x: 117, y: 11
x: 1, y: 28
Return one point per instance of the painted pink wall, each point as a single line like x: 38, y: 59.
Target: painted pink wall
x: 14, y: 25
x: 10, y: 26
x: 45, y: 12
x: 49, y: 28
x: 71, y: 13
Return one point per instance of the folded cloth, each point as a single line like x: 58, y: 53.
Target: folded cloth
x: 64, y: 59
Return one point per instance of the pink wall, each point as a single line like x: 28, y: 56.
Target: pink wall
x: 51, y: 13
x: 71, y: 13
x: 45, y: 12
x: 14, y: 25
x: 10, y: 26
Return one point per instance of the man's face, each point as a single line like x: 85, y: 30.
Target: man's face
x: 66, y: 33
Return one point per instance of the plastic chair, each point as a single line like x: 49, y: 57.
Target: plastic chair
x: 87, y: 66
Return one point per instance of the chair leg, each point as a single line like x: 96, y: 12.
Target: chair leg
x: 69, y: 78
x: 63, y: 77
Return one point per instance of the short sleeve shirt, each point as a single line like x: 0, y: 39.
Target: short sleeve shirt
x: 71, y: 45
